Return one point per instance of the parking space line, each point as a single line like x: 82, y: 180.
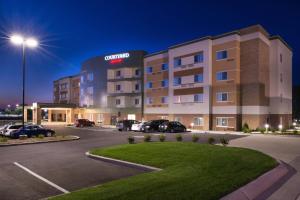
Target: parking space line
x: 42, y: 178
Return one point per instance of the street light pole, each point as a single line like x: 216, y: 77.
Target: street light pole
x: 23, y: 85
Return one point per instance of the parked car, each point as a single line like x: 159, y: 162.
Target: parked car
x: 137, y: 126
x: 7, y: 131
x: 32, y: 130
x: 125, y: 125
x: 172, y: 126
x: 2, y: 129
x: 84, y: 123
x: 153, y: 125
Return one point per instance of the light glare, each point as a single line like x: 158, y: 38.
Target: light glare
x: 17, y: 39
x: 31, y: 42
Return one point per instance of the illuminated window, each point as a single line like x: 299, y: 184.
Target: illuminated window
x: 198, y: 121
x: 149, y: 70
x: 198, y: 78
x: 149, y: 100
x: 165, y: 83
x: 222, y: 122
x: 177, y: 62
x: 198, y: 98
x: 149, y: 85
x: 90, y: 76
x: 222, y: 76
x: 177, y: 81
x: 222, y: 96
x: 198, y: 58
x: 90, y: 90
x: 164, y: 66
x: 164, y: 100
x: 177, y: 99
x: 221, y: 55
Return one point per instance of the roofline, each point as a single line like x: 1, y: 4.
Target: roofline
x: 65, y: 77
x: 274, y: 37
x: 156, y: 53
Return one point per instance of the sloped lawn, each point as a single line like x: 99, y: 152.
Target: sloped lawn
x: 190, y: 171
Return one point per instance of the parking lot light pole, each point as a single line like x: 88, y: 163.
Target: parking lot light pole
x: 31, y: 43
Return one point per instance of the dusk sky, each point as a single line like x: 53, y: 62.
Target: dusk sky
x: 72, y: 31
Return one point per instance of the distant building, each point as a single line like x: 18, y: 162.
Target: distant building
x: 66, y: 90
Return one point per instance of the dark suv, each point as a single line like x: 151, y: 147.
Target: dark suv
x: 125, y: 125
x: 153, y: 125
x: 84, y: 122
x: 172, y: 127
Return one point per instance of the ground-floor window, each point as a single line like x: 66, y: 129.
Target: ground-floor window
x: 100, y: 118
x: 164, y: 117
x: 177, y: 119
x: 198, y: 121
x: 222, y: 121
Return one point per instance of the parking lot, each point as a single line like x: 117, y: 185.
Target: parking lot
x: 64, y: 164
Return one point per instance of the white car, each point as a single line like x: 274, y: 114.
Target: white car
x: 137, y: 126
x: 10, y: 128
x: 2, y: 128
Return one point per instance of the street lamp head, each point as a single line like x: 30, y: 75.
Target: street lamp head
x: 31, y: 42
x: 17, y: 39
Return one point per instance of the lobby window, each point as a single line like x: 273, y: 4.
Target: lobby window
x: 222, y: 55
x: 222, y: 96
x: 90, y: 77
x: 177, y: 62
x: 136, y: 101
x: 177, y: 81
x: 222, y: 76
x: 222, y: 122
x: 198, y: 98
x: 177, y: 119
x: 165, y: 83
x: 198, y: 58
x: 137, y: 72
x: 118, y: 101
x: 118, y: 87
x: 137, y: 87
x: 198, y: 121
x: 149, y: 85
x: 149, y: 100
x: 164, y: 67
x: 164, y: 100
x: 149, y: 70
x: 198, y: 78
x: 118, y: 73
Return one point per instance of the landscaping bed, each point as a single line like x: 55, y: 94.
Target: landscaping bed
x: 190, y: 171
x: 7, y: 142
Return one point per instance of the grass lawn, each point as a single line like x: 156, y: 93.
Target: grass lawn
x: 190, y: 171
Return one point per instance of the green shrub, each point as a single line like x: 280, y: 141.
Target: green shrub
x: 262, y: 130
x: 273, y: 130
x: 147, y: 138
x: 195, y: 138
x: 3, y: 139
x: 246, y: 128
x: 178, y: 137
x: 224, y: 141
x: 295, y: 131
x: 40, y: 136
x: 130, y: 139
x: 162, y: 137
x: 211, y: 140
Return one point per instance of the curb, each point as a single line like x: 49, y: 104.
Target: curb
x: 264, y: 185
x: 40, y: 142
x: 122, y: 162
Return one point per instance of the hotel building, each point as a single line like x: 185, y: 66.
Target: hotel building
x: 222, y: 82
x: 211, y: 83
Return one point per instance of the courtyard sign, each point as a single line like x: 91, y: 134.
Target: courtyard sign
x: 116, y: 56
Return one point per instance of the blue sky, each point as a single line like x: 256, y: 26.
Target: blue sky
x: 72, y: 31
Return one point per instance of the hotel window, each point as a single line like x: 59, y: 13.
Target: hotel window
x: 149, y: 85
x: 222, y: 121
x: 177, y: 81
x: 136, y: 101
x: 198, y: 58
x: 164, y: 67
x: 118, y: 73
x: 198, y: 78
x: 63, y: 86
x: 137, y: 72
x: 118, y: 101
x: 198, y: 98
x: 82, y: 78
x: 221, y: 55
x: 165, y: 83
x: 118, y: 87
x: 177, y: 62
x: 164, y: 100
x: 222, y: 76
x: 177, y: 119
x: 222, y: 96
x: 281, y: 79
x: 90, y: 77
x: 198, y: 121
x: 281, y: 98
x: 90, y: 90
x: 149, y: 70
x: 177, y: 99
x: 280, y: 58
x: 137, y: 87
x: 149, y: 100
